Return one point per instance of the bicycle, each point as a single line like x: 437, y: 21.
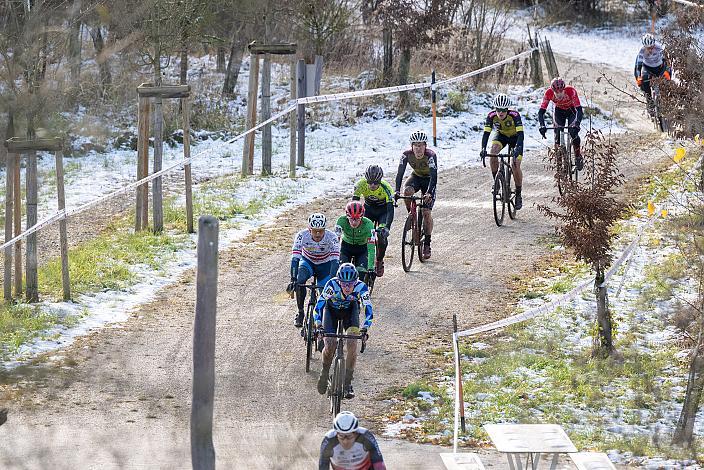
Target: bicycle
x: 502, y: 194
x: 566, y: 168
x: 308, y: 330
x: 370, y: 274
x: 656, y: 116
x: 336, y: 381
x: 413, y: 232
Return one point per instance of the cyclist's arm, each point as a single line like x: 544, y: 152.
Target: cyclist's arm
x: 487, y: 132
x: 325, y: 454
x: 519, y: 133
x: 580, y: 114
x: 401, y: 170
x: 375, y: 453
x: 639, y: 64
x: 367, y: 304
x: 433, y: 164
x: 547, y: 97
x: 328, y: 291
x: 389, y: 215
x: 541, y: 117
x: 358, y: 190
x: 296, y: 254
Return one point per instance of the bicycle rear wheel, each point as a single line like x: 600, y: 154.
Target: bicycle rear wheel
x: 498, y: 197
x: 407, y: 244
x: 510, y: 194
x: 421, y: 235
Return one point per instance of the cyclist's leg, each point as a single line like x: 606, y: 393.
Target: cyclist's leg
x: 427, y: 211
x: 377, y: 213
x: 305, y: 271
x: 516, y: 163
x: 345, y: 252
x: 496, y: 145
x: 410, y: 189
x: 324, y: 271
x: 559, y: 120
x: 351, y: 325
x: 329, y: 326
x: 576, y: 141
x: 646, y: 75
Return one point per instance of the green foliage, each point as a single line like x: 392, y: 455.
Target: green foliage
x: 22, y: 323
x: 456, y: 100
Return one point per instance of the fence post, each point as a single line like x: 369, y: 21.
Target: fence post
x: 536, y: 69
x: 157, y: 201
x: 266, y: 114
x: 549, y: 59
x: 9, y: 200
x: 248, y: 150
x: 31, y: 254
x: 292, y: 125
x: 202, y: 449
x: 142, y: 135
x: 63, y: 236
x: 186, y: 109
x: 18, y: 226
x: 301, y: 110
x: 432, y: 99
x: 459, y: 385
x: 145, y: 163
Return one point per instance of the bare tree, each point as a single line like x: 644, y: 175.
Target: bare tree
x: 588, y: 212
x: 319, y: 21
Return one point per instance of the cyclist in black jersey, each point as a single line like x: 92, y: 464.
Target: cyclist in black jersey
x: 424, y: 179
x: 508, y: 129
x: 348, y: 446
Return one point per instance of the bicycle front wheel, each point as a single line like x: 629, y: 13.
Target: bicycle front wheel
x: 407, y: 244
x: 510, y: 194
x: 498, y: 198
x: 421, y: 235
x: 309, y: 336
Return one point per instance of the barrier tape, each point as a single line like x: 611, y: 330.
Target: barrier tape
x: 62, y: 214
x: 691, y: 4
x: 484, y: 69
x: 534, y: 312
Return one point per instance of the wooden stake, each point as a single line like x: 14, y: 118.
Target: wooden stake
x: 145, y: 163
x: 139, y: 223
x: 433, y: 105
x: 301, y: 111
x: 18, y: 225
x: 292, y: 125
x: 202, y: 450
x: 31, y: 254
x: 9, y: 200
x: 266, y: 114
x: 63, y: 236
x: 186, y: 109
x: 248, y: 152
x: 157, y: 199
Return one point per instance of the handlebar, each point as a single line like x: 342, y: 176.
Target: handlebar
x: 498, y: 155
x: 335, y: 335
x: 559, y: 128
x: 410, y: 198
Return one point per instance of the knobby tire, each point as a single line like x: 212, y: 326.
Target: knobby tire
x: 510, y: 194
x: 421, y: 235
x: 497, y: 195
x: 407, y: 244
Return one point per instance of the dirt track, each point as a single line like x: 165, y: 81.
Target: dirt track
x: 120, y: 398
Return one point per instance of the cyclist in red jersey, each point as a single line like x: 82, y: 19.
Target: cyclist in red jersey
x: 568, y: 112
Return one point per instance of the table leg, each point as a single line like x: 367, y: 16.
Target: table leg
x: 514, y: 461
x: 553, y: 466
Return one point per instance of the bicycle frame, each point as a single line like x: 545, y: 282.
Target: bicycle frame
x: 337, y: 380
x: 307, y: 332
x: 414, y: 224
x: 501, y: 191
x: 565, y: 164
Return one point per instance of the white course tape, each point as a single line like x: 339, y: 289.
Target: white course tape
x: 312, y: 99
x: 483, y: 69
x: 691, y: 4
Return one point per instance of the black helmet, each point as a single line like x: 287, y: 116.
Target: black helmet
x: 374, y: 173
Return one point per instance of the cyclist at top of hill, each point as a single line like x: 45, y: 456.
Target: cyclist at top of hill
x: 650, y: 62
x: 348, y: 446
x: 568, y: 112
x: 378, y: 207
x: 509, y: 131
x: 315, y: 252
x: 357, y: 235
x: 339, y: 302
x: 423, y: 178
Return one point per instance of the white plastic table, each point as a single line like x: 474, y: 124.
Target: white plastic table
x: 533, y: 440
x: 462, y: 461
x: 592, y: 461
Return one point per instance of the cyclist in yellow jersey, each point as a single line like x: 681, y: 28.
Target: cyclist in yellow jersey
x: 508, y: 129
x: 378, y: 207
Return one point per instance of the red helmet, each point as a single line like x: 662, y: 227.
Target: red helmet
x: 558, y: 84
x: 354, y: 209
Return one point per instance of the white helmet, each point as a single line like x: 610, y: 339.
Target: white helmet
x: 317, y: 220
x: 502, y: 101
x: 648, y: 40
x: 418, y: 136
x: 345, y: 422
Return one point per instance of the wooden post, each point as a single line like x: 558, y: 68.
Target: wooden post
x: 433, y: 106
x: 186, y: 109
x: 63, y: 236
x: 31, y: 253
x: 17, y: 192
x: 266, y: 114
x: 461, y: 394
x: 141, y: 222
x: 536, y: 70
x: 248, y: 152
x: 157, y: 201
x: 292, y: 125
x: 9, y: 200
x: 301, y: 110
x: 202, y: 450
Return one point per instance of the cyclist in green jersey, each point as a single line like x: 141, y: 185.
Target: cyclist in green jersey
x: 356, y: 232
x: 378, y: 207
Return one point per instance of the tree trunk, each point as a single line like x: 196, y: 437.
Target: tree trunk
x: 220, y: 60
x: 388, y: 59
x: 183, y: 75
x: 233, y: 66
x: 74, y: 42
x: 684, y: 432
x: 96, y: 34
x: 603, y: 341
x: 404, y: 68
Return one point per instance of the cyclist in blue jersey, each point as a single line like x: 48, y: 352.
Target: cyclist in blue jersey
x: 340, y: 302
x: 315, y: 252
x: 348, y: 446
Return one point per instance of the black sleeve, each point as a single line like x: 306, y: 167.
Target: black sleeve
x: 433, y: 178
x: 399, y: 173
x: 485, y: 139
x: 638, y: 67
x: 580, y: 114
x: 541, y: 117
x: 389, y: 214
x: 519, y: 142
